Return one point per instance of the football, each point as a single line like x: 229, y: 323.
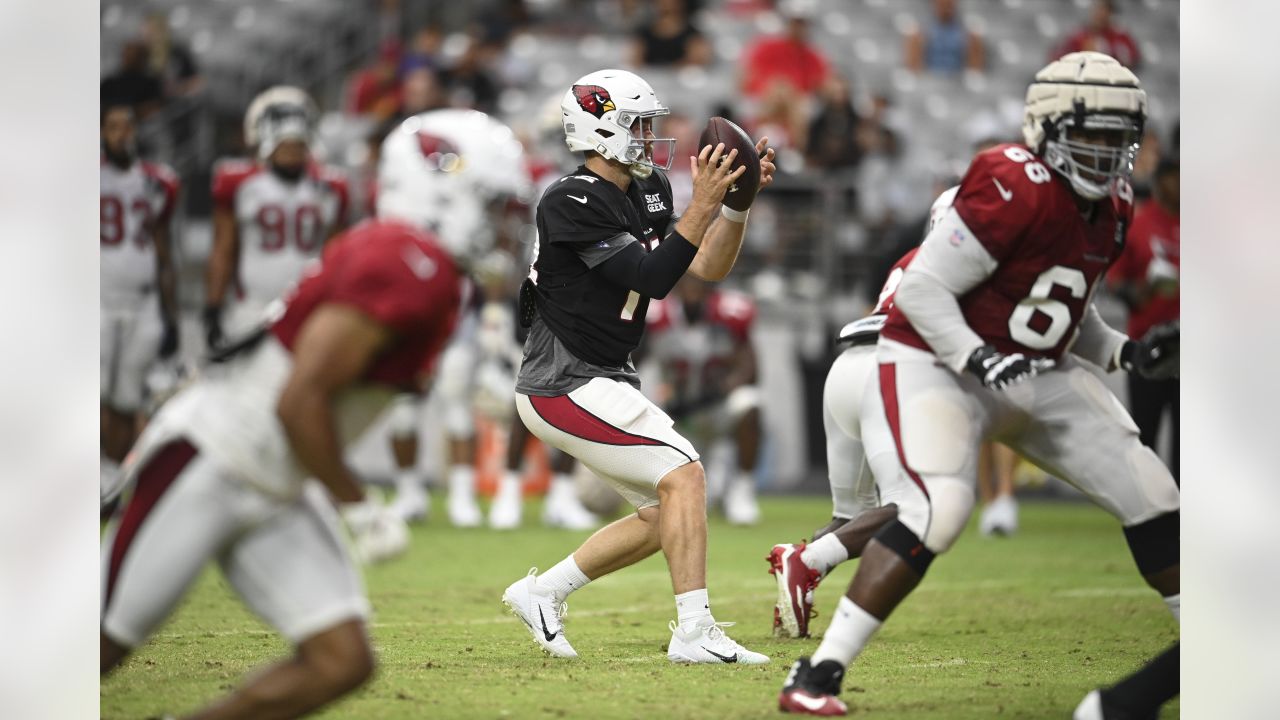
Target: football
x: 743, y: 192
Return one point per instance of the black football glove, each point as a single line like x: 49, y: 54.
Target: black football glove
x: 212, y: 317
x: 168, y: 340
x: 998, y: 371
x: 1156, y: 355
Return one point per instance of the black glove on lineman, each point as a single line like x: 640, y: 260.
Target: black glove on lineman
x: 998, y: 371
x: 212, y: 317
x: 169, y: 340
x: 1156, y: 355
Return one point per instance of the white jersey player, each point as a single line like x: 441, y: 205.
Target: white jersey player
x: 220, y: 474
x: 272, y: 215
x: 138, y: 311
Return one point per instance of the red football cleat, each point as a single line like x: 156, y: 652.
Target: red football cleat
x: 796, y: 583
x: 811, y: 690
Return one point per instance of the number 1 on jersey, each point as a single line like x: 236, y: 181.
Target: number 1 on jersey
x: 629, y: 309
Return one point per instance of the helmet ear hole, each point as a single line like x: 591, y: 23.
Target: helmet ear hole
x: 604, y: 133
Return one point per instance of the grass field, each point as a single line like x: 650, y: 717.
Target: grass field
x: 1007, y: 628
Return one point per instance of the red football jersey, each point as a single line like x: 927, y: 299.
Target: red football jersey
x: 1049, y: 255
x: 1155, y: 235
x: 397, y: 275
x: 890, y: 287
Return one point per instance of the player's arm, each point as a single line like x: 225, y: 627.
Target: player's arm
x: 942, y: 272
x: 223, y: 258
x: 1097, y: 341
x: 166, y: 285
x: 333, y: 349
x: 653, y: 274
x: 723, y: 238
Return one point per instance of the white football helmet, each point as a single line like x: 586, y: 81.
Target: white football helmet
x: 1084, y: 116
x: 278, y: 114
x: 612, y: 112
x: 443, y: 170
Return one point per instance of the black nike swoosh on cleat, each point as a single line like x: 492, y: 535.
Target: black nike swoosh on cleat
x: 550, y: 635
x: 723, y: 658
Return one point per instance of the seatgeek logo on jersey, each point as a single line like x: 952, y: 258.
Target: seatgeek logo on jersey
x: 655, y: 202
x: 593, y: 99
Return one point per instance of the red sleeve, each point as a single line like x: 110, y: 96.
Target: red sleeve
x: 377, y: 278
x: 169, y: 185
x: 1000, y: 196
x: 227, y: 176
x: 734, y: 311
x: 1136, y: 255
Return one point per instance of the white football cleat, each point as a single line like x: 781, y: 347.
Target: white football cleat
x: 709, y: 644
x: 562, y: 509
x: 540, y: 612
x: 740, y: 507
x: 1090, y: 708
x: 463, y: 509
x: 508, y: 507
x: 412, y: 501
x: 1000, y: 517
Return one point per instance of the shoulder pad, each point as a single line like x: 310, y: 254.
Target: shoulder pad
x: 733, y: 310
x: 659, y: 315
x: 227, y: 177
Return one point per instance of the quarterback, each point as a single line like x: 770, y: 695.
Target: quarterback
x: 608, y: 241
x: 982, y: 342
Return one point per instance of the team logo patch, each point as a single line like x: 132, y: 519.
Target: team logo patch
x: 654, y: 202
x: 594, y: 99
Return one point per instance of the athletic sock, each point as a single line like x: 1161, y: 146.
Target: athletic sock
x: 825, y: 553
x: 1174, y: 602
x: 509, y: 484
x: 563, y: 578
x: 562, y: 484
x: 693, y: 608
x: 462, y: 478
x: 407, y: 479
x: 849, y: 632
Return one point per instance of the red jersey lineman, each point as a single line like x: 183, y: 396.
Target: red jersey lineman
x: 981, y: 344
x: 222, y: 471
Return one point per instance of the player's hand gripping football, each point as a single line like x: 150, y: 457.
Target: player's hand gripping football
x: 767, y: 167
x: 711, y: 175
x: 998, y: 371
x: 1156, y: 355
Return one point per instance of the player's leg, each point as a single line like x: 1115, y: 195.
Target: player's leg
x: 742, y: 407
x: 1139, y: 695
x: 1082, y: 434
x: 453, y: 388
x: 116, y: 426
x: 921, y: 426
x: 856, y: 515
x: 293, y: 570
x: 995, y: 478
x: 563, y: 508
x: 177, y: 517
x: 403, y: 421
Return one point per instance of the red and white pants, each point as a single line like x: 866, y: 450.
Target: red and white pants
x: 615, y: 431
x: 922, y: 425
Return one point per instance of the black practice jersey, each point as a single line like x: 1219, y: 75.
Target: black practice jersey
x: 584, y: 220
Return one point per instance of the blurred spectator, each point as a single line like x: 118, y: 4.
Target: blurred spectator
x: 783, y: 120
x: 670, y: 38
x: 945, y: 45
x: 133, y: 84
x: 170, y: 59
x: 790, y: 60
x: 425, y: 51
x: 375, y: 90
x: 833, y: 134
x: 1100, y: 35
x: 1146, y: 277
x: 421, y: 91
x: 471, y: 81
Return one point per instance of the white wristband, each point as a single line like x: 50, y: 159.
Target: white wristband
x: 738, y: 216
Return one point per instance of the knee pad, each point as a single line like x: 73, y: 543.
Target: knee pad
x: 907, y: 545
x: 1154, y: 543
x: 951, y: 501
x: 741, y: 400
x: 402, y: 418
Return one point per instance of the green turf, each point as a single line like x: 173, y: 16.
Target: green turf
x: 1009, y: 628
